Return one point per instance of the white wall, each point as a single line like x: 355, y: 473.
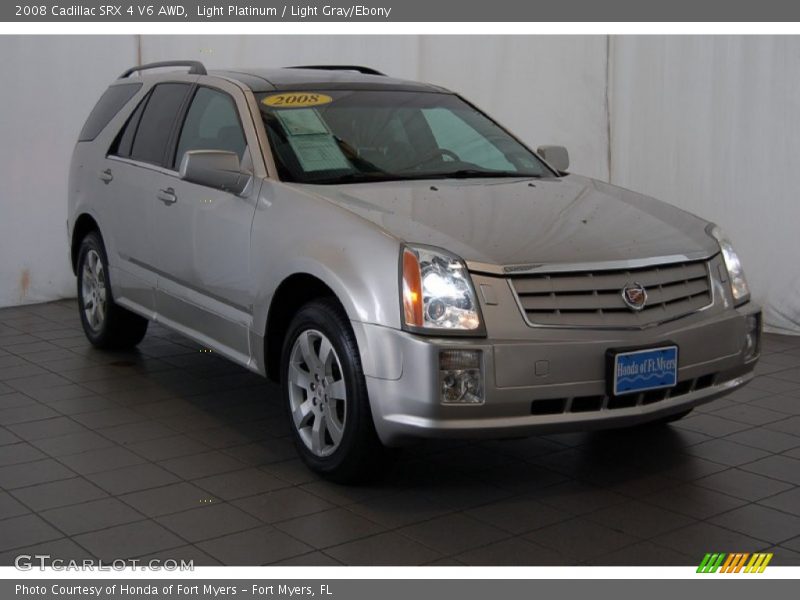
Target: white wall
x: 707, y: 123
x: 712, y: 124
x: 49, y: 85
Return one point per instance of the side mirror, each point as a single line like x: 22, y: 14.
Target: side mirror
x: 556, y: 156
x: 214, y: 168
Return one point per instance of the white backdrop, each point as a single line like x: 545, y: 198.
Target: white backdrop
x: 709, y: 124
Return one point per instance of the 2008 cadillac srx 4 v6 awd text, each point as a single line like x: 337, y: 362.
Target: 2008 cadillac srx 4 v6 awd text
x: 399, y: 262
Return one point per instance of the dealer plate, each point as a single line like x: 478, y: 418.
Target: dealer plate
x: 646, y: 369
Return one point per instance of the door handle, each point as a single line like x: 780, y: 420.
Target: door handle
x: 167, y: 196
x: 106, y: 176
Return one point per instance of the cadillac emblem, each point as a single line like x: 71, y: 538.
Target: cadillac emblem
x: 634, y: 295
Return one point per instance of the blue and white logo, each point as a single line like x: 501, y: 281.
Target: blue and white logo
x: 642, y: 370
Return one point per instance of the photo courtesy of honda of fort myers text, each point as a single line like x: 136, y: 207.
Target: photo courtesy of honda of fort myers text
x: 362, y: 295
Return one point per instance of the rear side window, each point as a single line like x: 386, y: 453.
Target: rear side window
x: 110, y: 103
x: 124, y: 142
x: 212, y: 123
x: 155, y: 127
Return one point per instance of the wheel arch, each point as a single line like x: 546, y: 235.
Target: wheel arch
x: 293, y: 292
x: 84, y: 224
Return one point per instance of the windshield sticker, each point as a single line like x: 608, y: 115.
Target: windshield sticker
x: 318, y: 152
x: 296, y: 100
x: 303, y: 121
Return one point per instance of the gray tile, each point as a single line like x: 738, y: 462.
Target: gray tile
x: 751, y: 415
x: 784, y: 404
x: 40, y: 471
x: 518, y: 515
x: 10, y: 506
x: 101, y: 459
x: 710, y: 424
x: 126, y: 541
x: 742, y: 484
x: 201, y: 465
x: 91, y: 516
x: 580, y: 539
x: 283, y: 504
x: 639, y: 519
x: 62, y: 549
x: 168, y: 447
x: 696, y: 540
x: 15, y: 400
x: 397, y: 510
x: 26, y: 530
x: 452, y: 534
x: 329, y: 528
x: 765, y: 439
x: 206, y: 522
x: 169, y: 499
x: 21, y: 452
x: 512, y: 552
x: 694, y: 501
x: 72, y: 443
x: 25, y: 414
x: 760, y: 522
x: 777, y: 467
x: 6, y: 437
x: 258, y: 546
x: 389, y: 549
x: 132, y: 433
x: 109, y: 418
x: 79, y: 406
x: 239, y: 484
x: 37, y: 430
x: 726, y: 452
x: 312, y: 559
x: 58, y: 493
x: 788, y: 501
x: 646, y: 554
x: 133, y: 478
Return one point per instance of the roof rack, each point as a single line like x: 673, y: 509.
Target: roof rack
x: 357, y: 68
x: 195, y: 67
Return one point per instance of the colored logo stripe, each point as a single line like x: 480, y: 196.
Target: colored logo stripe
x: 734, y: 563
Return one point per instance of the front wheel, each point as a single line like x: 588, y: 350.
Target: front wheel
x: 326, y: 396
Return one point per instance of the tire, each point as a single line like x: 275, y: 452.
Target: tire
x: 106, y: 324
x: 326, y: 397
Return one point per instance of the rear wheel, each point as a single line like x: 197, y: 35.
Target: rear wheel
x: 106, y: 324
x: 326, y: 396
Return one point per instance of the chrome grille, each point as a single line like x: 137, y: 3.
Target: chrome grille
x: 594, y: 298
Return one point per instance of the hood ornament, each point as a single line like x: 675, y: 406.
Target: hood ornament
x: 634, y: 295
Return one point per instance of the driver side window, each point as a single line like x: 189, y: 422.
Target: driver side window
x: 212, y: 123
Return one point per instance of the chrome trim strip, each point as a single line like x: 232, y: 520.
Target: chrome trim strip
x: 610, y: 265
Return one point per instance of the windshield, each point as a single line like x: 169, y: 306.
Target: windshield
x: 359, y: 136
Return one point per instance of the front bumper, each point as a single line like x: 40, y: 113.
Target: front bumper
x: 564, y: 372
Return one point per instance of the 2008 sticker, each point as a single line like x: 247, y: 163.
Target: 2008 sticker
x: 296, y: 100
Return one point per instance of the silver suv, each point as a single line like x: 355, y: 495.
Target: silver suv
x: 403, y: 265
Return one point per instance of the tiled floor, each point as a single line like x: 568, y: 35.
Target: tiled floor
x: 174, y: 453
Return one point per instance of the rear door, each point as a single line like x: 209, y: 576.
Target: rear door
x: 135, y: 169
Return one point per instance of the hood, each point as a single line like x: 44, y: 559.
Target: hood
x: 526, y: 223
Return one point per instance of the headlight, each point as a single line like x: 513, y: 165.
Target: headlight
x: 437, y: 292
x: 739, y: 287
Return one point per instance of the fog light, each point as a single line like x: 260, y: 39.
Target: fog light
x: 461, y: 376
x: 752, y: 335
